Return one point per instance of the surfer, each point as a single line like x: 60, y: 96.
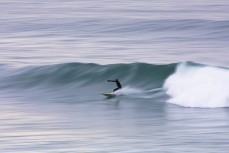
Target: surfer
x: 119, y: 86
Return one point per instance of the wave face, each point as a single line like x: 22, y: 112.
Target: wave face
x: 187, y: 84
x: 85, y: 75
x: 198, y: 86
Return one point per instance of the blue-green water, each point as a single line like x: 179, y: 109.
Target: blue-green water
x: 170, y: 56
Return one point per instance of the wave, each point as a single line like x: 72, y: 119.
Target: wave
x: 88, y: 74
x: 187, y: 84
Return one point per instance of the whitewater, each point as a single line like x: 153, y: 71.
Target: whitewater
x: 171, y: 58
x: 199, y: 86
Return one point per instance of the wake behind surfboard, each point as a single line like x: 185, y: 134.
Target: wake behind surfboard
x: 132, y: 92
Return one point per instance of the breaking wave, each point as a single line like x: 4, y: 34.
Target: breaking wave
x: 187, y: 84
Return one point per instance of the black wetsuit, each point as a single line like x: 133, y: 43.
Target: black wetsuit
x: 119, y: 86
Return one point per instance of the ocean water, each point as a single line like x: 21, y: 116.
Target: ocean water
x: 170, y: 56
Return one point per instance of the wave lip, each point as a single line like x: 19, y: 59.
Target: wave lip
x: 198, y: 86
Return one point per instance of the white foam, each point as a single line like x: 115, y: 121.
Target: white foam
x: 128, y: 90
x: 193, y: 86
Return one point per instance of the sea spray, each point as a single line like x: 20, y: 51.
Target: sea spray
x: 198, y: 86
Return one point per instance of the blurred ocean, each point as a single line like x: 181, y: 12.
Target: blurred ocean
x: 170, y: 56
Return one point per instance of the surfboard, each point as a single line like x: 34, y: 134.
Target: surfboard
x: 109, y: 95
